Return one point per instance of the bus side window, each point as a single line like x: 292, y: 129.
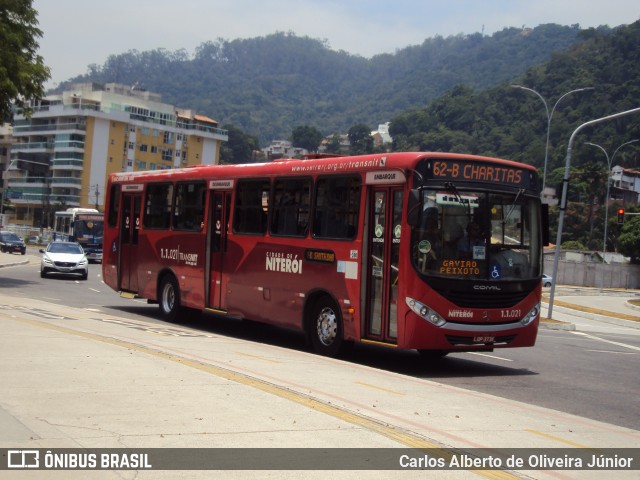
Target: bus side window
x: 114, y: 205
x: 157, y: 206
x: 188, y: 206
x: 251, y: 206
x: 336, y: 207
x: 290, y: 209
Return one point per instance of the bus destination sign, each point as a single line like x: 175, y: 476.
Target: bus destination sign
x: 464, y: 170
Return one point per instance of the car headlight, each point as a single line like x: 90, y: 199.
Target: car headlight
x: 47, y: 260
x: 531, y: 316
x: 425, y: 312
x: 82, y: 262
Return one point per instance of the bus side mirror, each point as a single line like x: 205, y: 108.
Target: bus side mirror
x: 414, y: 208
x: 545, y: 224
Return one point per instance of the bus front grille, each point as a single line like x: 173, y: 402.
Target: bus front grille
x: 487, y: 300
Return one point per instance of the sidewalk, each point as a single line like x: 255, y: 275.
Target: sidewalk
x: 81, y: 379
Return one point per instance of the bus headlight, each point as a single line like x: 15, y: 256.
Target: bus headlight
x: 531, y: 316
x: 425, y: 312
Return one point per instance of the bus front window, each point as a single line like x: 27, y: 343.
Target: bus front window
x: 477, y: 236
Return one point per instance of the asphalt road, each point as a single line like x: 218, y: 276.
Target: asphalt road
x: 587, y: 373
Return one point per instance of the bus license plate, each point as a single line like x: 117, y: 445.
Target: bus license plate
x: 483, y: 339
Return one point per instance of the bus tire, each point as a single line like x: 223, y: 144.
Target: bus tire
x: 325, y: 327
x: 169, y: 298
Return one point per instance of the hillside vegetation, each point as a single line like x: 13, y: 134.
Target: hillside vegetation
x: 266, y: 86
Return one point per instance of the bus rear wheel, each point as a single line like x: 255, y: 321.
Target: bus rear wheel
x: 325, y: 328
x: 169, y: 298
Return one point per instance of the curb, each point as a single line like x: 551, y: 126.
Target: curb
x: 15, y: 264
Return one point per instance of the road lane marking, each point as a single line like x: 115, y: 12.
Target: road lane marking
x: 490, y: 356
x: 612, y: 351
x: 382, y: 389
x: 619, y: 344
x: 395, y: 433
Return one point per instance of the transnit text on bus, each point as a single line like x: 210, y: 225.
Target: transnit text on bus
x: 178, y: 256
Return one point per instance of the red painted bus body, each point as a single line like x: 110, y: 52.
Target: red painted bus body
x: 356, y: 262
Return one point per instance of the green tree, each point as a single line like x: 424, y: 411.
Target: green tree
x: 239, y: 148
x: 306, y: 137
x: 629, y: 239
x: 360, y: 139
x: 334, y: 145
x: 22, y: 70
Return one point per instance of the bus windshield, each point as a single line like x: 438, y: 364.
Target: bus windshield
x: 89, y: 231
x: 477, y: 235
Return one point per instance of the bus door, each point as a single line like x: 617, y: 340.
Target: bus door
x: 215, y: 277
x: 385, y: 210
x: 129, y: 229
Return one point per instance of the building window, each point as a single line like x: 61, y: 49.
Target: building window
x: 143, y: 147
x: 167, y: 154
x: 154, y: 149
x: 168, y: 138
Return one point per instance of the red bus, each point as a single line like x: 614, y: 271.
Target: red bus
x: 429, y: 251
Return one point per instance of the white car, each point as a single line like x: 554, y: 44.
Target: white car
x: 546, y: 280
x: 64, y: 257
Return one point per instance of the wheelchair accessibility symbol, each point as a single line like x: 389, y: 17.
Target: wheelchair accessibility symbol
x: 495, y: 272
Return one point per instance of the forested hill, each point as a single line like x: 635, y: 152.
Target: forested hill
x: 268, y: 85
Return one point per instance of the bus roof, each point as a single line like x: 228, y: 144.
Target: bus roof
x: 323, y: 165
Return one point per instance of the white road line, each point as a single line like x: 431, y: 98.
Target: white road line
x: 490, y: 356
x: 612, y: 351
x: 593, y: 337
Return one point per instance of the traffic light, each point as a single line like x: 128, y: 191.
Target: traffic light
x: 621, y: 216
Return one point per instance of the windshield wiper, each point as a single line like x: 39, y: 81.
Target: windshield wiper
x: 513, y: 207
x: 453, y: 189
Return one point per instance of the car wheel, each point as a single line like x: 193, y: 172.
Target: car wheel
x: 42, y: 274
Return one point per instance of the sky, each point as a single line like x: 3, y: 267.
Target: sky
x: 78, y: 33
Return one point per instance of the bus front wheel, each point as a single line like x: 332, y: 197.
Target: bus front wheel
x: 325, y: 328
x: 169, y: 300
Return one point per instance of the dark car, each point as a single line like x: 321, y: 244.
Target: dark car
x: 10, y: 243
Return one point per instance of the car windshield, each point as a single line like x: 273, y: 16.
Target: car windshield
x: 65, y: 248
x: 10, y: 237
x: 478, y: 235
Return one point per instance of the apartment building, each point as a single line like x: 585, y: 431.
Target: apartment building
x: 626, y: 184
x: 64, y: 151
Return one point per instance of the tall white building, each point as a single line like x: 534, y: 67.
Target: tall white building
x: 73, y: 140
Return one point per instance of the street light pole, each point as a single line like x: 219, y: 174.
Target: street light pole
x: 549, y: 116
x: 606, y: 199
x: 563, y: 201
